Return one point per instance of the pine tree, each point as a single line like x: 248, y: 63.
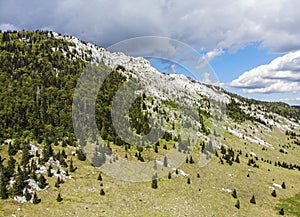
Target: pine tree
x: 61, y: 160
x: 27, y: 195
x: 237, y: 205
x: 59, y: 198
x: 25, y: 154
x: 33, y: 166
x: 99, y: 177
x: 36, y: 200
x: 234, y: 194
x: 154, y: 184
x: 189, y: 180
x: 102, y: 193
x: 47, y: 153
x: 11, y: 164
x: 56, y: 184
x: 63, y: 154
x: 237, y: 160
x: 81, y: 156
x: 49, y: 173
x: 11, y: 150
x: 71, y: 167
x: 3, y: 189
x: 34, y: 177
x: 60, y: 180
x: 283, y: 185
x: 253, y: 200
x: 191, y: 160
x: 42, y: 182
x: 20, y: 183
x: 274, y: 193
x: 169, y: 175
x: 198, y: 175
x: 281, y: 212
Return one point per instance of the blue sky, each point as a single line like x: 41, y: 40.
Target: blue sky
x: 230, y: 65
x: 252, y: 46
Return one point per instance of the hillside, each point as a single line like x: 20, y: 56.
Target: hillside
x: 88, y: 132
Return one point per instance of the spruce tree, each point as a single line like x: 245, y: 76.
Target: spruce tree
x: 33, y: 166
x: 281, y: 212
x: 34, y: 177
x: 169, y: 175
x: 283, y: 185
x: 47, y: 153
x: 188, y: 180
x: 11, y: 164
x: 27, y: 195
x: 3, y: 189
x: 59, y: 198
x: 253, y: 200
x: 36, y: 200
x: 71, y: 167
x: 20, y: 183
x: 81, y: 156
x: 102, y: 193
x: 56, y: 184
x: 154, y: 184
x: 60, y: 180
x: 63, y: 154
x: 274, y: 193
x: 49, y: 173
x: 42, y: 182
x: 237, y: 160
x: 99, y: 177
x: 25, y: 155
x: 234, y: 194
x: 11, y: 150
x: 237, y: 205
x: 191, y: 160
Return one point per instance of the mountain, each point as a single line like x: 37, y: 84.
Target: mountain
x: 107, y: 134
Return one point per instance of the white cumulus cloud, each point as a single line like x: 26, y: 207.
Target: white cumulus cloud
x: 280, y: 75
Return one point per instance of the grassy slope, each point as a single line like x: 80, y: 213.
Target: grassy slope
x: 175, y: 197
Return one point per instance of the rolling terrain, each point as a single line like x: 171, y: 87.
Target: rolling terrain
x: 209, y: 153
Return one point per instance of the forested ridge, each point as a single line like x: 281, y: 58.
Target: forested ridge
x: 37, y: 82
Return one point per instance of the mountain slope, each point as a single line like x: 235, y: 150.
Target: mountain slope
x: 228, y: 142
